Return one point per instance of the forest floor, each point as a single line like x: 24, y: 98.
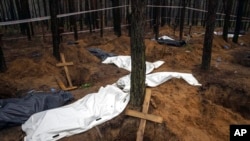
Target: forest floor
x: 190, y: 113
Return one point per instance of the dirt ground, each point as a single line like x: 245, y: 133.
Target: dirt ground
x: 190, y: 113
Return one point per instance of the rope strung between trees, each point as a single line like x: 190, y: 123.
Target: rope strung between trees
x: 103, y: 9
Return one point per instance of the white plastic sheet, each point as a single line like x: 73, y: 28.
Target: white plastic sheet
x: 155, y: 79
x: 228, y: 35
x: 166, y: 37
x: 125, y: 63
x: 77, y: 117
x: 95, y: 108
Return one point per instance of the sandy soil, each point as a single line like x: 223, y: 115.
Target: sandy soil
x: 190, y: 113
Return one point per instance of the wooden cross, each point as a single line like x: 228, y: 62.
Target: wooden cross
x: 144, y: 116
x: 65, y: 64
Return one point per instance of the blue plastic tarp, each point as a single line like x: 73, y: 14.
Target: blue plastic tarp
x: 15, y: 111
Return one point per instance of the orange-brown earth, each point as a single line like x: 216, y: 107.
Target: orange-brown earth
x: 190, y: 113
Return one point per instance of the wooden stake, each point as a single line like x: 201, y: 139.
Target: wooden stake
x: 65, y: 64
x: 62, y: 86
x: 144, y: 115
x: 145, y: 107
x: 141, y: 115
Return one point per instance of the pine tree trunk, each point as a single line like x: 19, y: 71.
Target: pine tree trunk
x: 116, y: 17
x: 197, y: 15
x: 73, y: 18
x: 88, y: 15
x: 12, y: 10
x: 208, y: 39
x: 194, y: 13
x: 39, y: 8
x: 182, y: 19
x: 170, y: 13
x: 138, y: 52
x: 245, y: 10
x: 45, y: 13
x: 54, y: 28
x: 3, y: 12
x: 189, y: 21
x: 228, y: 8
x: 129, y: 18
x: 238, y: 21
x: 204, y: 15
x: 163, y: 13
x: 3, y: 66
x: 156, y: 18
x: 26, y: 15
x: 102, y: 18
x: 81, y: 16
x: 20, y: 17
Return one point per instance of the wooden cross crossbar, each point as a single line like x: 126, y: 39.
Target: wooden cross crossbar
x: 65, y: 64
x: 144, y: 115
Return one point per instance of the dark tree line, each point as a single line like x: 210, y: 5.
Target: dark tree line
x: 178, y: 17
x: 22, y: 9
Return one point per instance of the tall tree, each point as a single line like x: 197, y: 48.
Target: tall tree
x: 227, y: 8
x: 194, y: 14
x: 138, y: 23
x: 72, y: 19
x: 101, y: 17
x: 88, y: 15
x: 208, y: 39
x: 12, y: 10
x: 2, y: 11
x: 54, y: 28
x: 81, y: 16
x: 45, y: 13
x: 163, y: 13
x: 3, y: 66
x: 128, y: 17
x: 170, y: 13
x: 156, y: 18
x: 26, y: 15
x: 116, y: 17
x: 238, y: 20
x: 184, y: 3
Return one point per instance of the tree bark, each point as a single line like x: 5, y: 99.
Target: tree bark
x: 3, y: 66
x: 101, y: 18
x: 238, y: 20
x: 170, y: 13
x: 45, y: 13
x: 163, y: 13
x: 228, y: 8
x: 54, y: 28
x: 138, y: 52
x: 128, y: 18
x: 182, y: 20
x: 194, y: 15
x: 203, y: 15
x: 73, y: 18
x: 3, y: 12
x: 208, y: 39
x: 12, y: 10
x: 156, y: 18
x: 81, y: 16
x: 20, y: 16
x: 88, y: 15
x: 116, y: 17
x: 26, y: 15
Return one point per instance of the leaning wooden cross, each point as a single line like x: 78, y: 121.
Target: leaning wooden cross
x: 144, y: 116
x: 59, y: 81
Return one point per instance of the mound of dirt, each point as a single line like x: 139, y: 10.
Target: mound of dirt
x: 188, y: 112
